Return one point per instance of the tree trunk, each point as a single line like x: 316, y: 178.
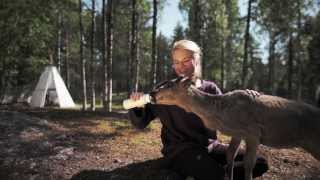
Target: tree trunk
x: 133, y: 47
x: 196, y: 21
x: 129, y: 65
x: 83, y: 63
x: 299, y: 59
x: 137, y: 61
x: 92, y: 57
x: 255, y: 72
x: 271, y: 63
x: 160, y: 63
x: 109, y: 54
x: 154, y: 36
x: 290, y: 65
x: 104, y: 62
x: 196, y: 28
x: 246, y: 44
x: 229, y: 47
x: 59, y: 44
x: 67, y: 74
x: 3, y: 78
x: 253, y: 66
x: 222, y: 83
x: 50, y: 56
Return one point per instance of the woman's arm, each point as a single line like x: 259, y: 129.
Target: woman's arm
x: 141, y: 117
x: 215, y: 89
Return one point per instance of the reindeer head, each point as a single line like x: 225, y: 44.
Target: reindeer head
x: 171, y: 92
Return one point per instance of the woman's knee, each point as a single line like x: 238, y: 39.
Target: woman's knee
x: 199, y: 165
x: 261, y: 167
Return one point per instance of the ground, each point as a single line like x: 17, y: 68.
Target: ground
x: 70, y: 144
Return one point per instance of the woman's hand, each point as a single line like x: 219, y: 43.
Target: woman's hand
x: 216, y: 145
x: 136, y: 95
x: 253, y: 93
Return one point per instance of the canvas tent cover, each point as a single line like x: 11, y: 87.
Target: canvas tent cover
x: 51, y: 84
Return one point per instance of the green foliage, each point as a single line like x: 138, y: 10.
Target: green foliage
x: 280, y: 19
x: 26, y: 33
x: 29, y: 33
x: 313, y: 65
x: 178, y: 33
x: 214, y: 31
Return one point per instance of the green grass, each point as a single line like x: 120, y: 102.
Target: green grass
x: 120, y: 124
x: 141, y: 139
x: 117, y: 99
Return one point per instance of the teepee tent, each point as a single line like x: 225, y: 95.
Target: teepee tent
x: 51, y: 87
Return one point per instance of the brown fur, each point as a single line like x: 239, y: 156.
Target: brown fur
x: 268, y: 120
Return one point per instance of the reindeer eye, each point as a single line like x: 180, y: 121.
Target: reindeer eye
x: 167, y: 85
x: 161, y: 85
x: 170, y: 84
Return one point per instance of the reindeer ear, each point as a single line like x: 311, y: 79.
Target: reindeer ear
x: 186, y: 81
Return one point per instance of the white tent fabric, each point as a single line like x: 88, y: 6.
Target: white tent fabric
x: 51, y: 84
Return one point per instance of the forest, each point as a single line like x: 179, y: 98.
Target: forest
x: 106, y: 48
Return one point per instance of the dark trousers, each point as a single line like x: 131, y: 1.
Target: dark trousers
x: 201, y: 165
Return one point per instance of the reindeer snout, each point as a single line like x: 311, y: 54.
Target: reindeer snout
x: 153, y: 95
x: 159, y: 91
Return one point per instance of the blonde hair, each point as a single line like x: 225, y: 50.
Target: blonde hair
x: 195, y: 49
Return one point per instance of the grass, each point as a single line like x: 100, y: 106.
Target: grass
x: 117, y: 99
x: 147, y: 136
x: 125, y: 129
x: 141, y: 139
x: 120, y: 124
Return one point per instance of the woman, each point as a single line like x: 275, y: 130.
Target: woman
x: 189, y: 147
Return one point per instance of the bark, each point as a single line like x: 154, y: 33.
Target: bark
x: 290, y: 65
x: 299, y: 59
x: 222, y: 83
x: 196, y: 21
x: 92, y: 58
x: 133, y: 47
x: 109, y: 54
x: 196, y: 29
x: 59, y: 42
x: 67, y: 74
x: 83, y: 63
x: 129, y: 65
x: 229, y: 48
x: 104, y: 61
x: 4, y: 79
x: 137, y: 62
x: 246, y: 45
x: 154, y: 36
x: 272, y: 63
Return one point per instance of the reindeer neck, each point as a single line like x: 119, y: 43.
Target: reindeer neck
x: 206, y: 106
x: 200, y: 103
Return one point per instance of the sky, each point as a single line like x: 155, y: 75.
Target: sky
x: 169, y: 17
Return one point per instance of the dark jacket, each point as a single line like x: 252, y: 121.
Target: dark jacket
x: 180, y: 129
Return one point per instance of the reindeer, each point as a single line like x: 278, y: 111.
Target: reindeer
x: 268, y: 120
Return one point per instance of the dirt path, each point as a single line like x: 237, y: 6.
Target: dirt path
x: 52, y: 144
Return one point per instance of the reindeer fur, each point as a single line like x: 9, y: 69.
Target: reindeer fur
x: 268, y: 120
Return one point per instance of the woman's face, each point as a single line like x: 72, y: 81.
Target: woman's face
x: 183, y: 62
